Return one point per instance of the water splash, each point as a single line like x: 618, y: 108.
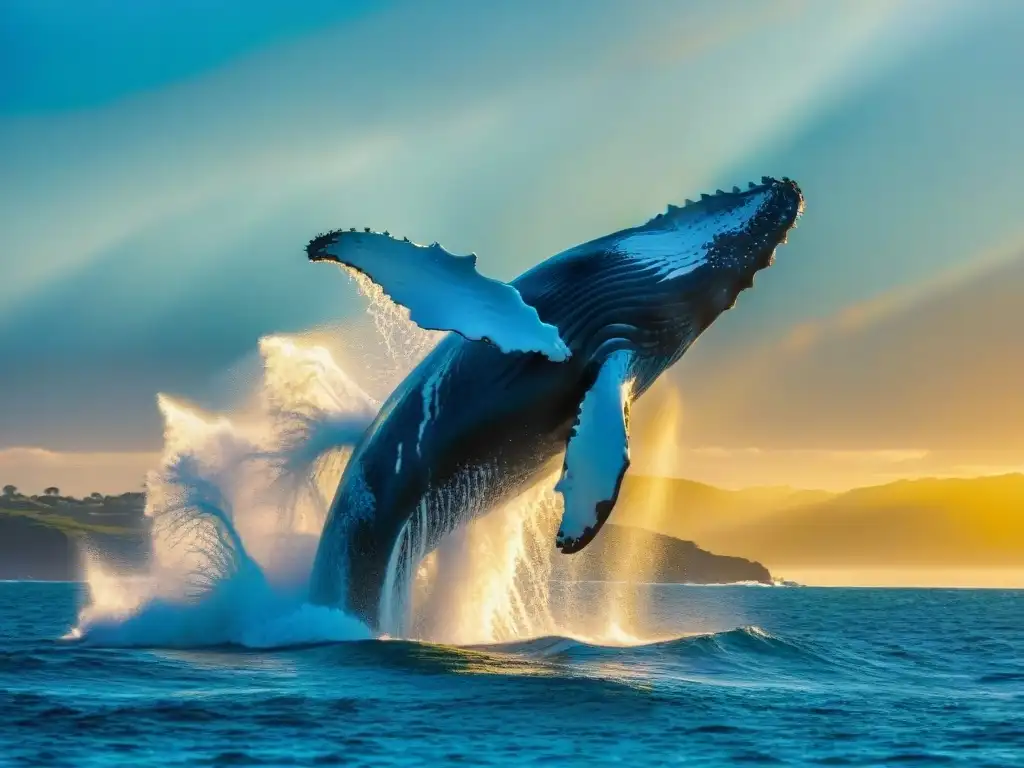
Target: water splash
x: 236, y: 506
x: 626, y: 607
x: 500, y: 579
x: 238, y: 502
x: 405, y: 343
x: 489, y: 581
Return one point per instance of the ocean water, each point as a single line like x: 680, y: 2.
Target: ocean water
x: 739, y: 675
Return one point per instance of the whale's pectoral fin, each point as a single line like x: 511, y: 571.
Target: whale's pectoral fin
x: 597, y: 455
x: 442, y: 291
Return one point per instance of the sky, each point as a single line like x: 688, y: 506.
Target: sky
x: 162, y: 169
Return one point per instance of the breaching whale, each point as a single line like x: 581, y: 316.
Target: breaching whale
x: 550, y: 362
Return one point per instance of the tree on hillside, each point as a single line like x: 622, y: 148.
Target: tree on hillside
x: 10, y: 490
x: 51, y: 491
x: 96, y: 496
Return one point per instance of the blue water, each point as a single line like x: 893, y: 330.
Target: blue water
x: 788, y: 677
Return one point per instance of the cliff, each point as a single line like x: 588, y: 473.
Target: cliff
x: 623, y: 553
x: 44, y: 538
x: 33, y: 550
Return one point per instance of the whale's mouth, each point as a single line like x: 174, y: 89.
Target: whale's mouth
x: 730, y: 235
x: 787, y: 203
x: 777, y: 203
x: 762, y: 217
x: 780, y: 205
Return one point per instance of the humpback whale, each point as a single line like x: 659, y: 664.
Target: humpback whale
x: 546, y: 365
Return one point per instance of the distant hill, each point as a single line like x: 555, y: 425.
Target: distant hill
x: 935, y: 523
x: 690, y: 510
x: 939, y: 524
x: 621, y: 553
x: 40, y: 538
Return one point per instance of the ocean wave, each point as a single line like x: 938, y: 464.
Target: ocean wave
x: 778, y: 583
x: 746, y: 643
x: 242, y: 608
x: 746, y: 657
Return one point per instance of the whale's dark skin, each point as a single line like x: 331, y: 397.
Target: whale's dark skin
x: 497, y: 420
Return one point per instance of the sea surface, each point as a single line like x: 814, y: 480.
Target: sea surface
x: 772, y: 676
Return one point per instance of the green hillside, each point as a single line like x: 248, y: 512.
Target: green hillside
x: 42, y: 537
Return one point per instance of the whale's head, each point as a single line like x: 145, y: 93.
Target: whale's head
x: 701, y: 255
x: 734, y: 234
